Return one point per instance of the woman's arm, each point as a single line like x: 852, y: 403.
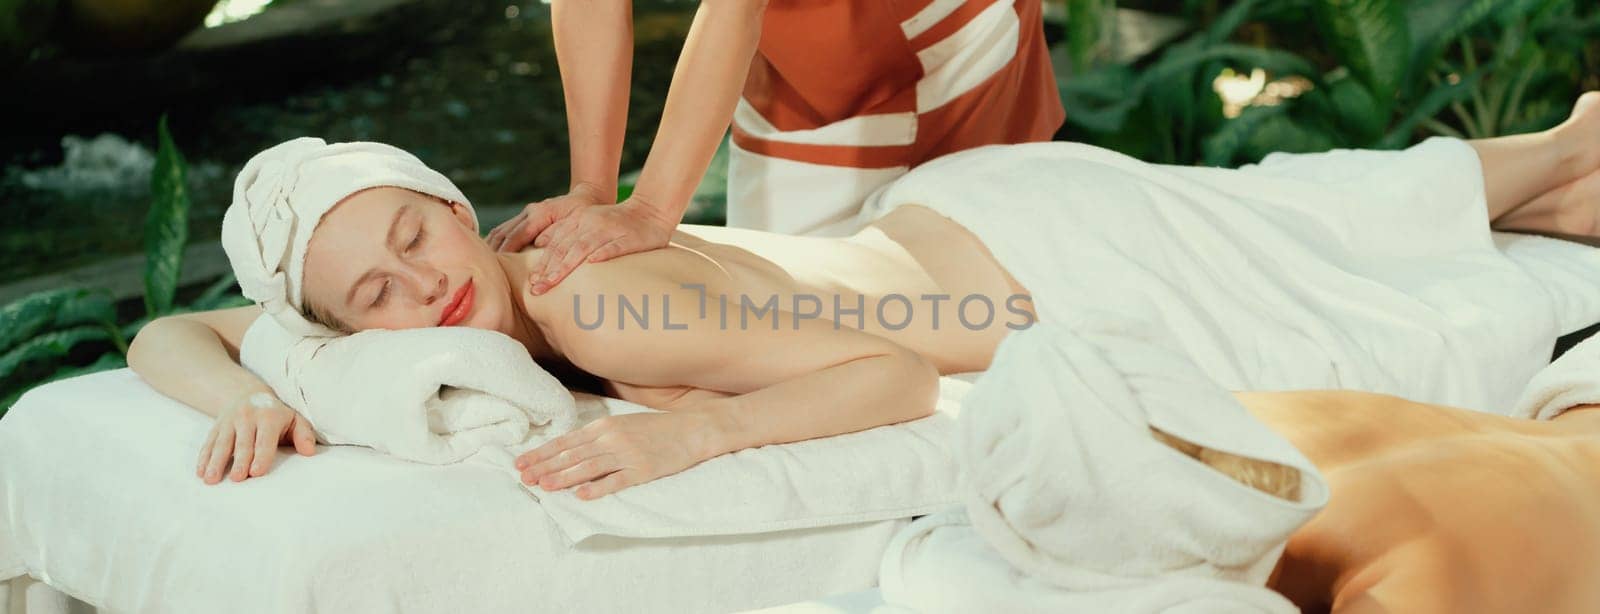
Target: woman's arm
x: 194, y: 358
x: 802, y: 379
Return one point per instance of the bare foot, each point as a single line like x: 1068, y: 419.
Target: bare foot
x: 1583, y: 126
x: 1271, y: 478
x: 1574, y: 207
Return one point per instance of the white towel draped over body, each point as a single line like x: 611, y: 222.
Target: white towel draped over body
x: 1367, y: 270
x: 1570, y: 381
x: 1079, y: 508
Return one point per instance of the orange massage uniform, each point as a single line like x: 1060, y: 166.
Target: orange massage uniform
x: 843, y: 96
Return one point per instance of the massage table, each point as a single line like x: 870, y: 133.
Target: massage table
x: 99, y: 503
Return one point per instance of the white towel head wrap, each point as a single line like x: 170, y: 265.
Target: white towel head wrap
x: 282, y: 194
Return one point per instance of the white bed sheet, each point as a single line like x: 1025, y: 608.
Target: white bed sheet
x: 100, y: 501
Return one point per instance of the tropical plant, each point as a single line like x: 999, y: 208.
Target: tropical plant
x: 1380, y: 73
x: 39, y: 332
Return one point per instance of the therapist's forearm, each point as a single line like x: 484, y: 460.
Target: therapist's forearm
x: 848, y: 397
x: 188, y: 361
x: 594, y: 49
x: 706, y: 85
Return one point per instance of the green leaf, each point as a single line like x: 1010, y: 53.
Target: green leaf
x: 166, y: 227
x: 1084, y: 31
x: 215, y: 292
x: 1430, y: 105
x: 1100, y: 100
x: 1356, y: 110
x: 1283, y: 133
x: 106, y: 362
x: 1433, y: 24
x: 1370, y: 37
x: 1280, y: 63
x: 1229, y: 21
x: 1221, y: 147
x: 87, y: 306
x: 53, y: 344
x: 27, y: 316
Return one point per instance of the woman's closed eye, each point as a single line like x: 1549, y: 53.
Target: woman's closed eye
x: 384, y: 291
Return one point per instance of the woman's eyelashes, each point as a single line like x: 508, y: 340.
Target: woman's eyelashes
x: 383, y: 292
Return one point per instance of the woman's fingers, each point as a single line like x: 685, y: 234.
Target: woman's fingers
x: 305, y: 439
x: 221, y: 450
x: 267, y: 437
x: 550, y: 449
x: 243, y: 450
x: 588, y: 469
x: 205, y: 452
x: 562, y: 460
x: 606, y: 485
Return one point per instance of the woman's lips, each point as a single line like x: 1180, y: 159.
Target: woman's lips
x: 460, y: 305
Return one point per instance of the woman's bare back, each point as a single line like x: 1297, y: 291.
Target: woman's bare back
x: 1437, y: 509
x: 858, y: 282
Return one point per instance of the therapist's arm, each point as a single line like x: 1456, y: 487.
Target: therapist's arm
x: 706, y: 86
x: 594, y: 51
x: 194, y: 358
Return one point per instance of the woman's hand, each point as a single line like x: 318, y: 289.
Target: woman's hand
x: 616, y: 452
x: 250, y: 436
x: 595, y: 234
x: 517, y: 232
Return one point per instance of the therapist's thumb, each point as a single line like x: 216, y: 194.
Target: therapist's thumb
x: 305, y: 440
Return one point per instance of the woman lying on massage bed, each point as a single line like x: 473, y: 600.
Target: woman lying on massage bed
x: 838, y: 349
x: 400, y: 258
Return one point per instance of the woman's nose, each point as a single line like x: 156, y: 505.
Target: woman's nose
x: 429, y: 285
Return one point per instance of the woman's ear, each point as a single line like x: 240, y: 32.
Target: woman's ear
x: 463, y: 215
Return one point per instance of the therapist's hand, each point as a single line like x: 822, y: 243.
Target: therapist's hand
x: 518, y: 232
x: 616, y: 452
x: 249, y: 437
x: 595, y: 234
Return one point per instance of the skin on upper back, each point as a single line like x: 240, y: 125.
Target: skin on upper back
x: 1436, y: 508
x: 907, y: 278
x: 632, y: 321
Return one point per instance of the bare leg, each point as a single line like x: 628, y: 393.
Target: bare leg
x: 1521, y: 169
x: 1572, y: 209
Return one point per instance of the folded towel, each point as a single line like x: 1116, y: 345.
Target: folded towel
x: 1570, y: 381
x: 430, y: 395
x: 1063, y: 479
